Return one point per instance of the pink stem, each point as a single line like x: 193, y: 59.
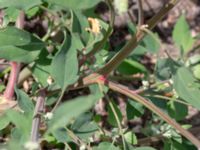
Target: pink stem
x: 9, y: 92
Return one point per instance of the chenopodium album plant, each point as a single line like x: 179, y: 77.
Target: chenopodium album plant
x: 72, y: 61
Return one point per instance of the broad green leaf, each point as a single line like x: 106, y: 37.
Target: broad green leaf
x: 4, y: 121
x: 182, y: 36
x: 106, y: 146
x: 75, y: 4
x: 111, y: 117
x: 71, y: 109
x: 177, y: 111
x: 24, y: 101
x: 26, y: 53
x: 129, y: 67
x: 187, y: 86
x: 19, y: 4
x: 65, y: 63
x: 14, y: 36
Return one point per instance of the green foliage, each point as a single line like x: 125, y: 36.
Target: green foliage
x: 75, y: 4
x: 71, y: 43
x: 187, y: 86
x: 19, y: 4
x: 66, y: 57
x: 182, y: 36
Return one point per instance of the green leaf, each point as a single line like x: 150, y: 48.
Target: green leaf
x: 129, y: 67
x: 111, y: 117
x: 75, y: 4
x: 19, y: 4
x: 133, y: 109
x: 196, y: 71
x: 71, y: 109
x: 22, y: 122
x: 61, y: 135
x: 186, y: 86
x: 26, y: 53
x: 131, y: 138
x: 4, y: 121
x: 177, y: 110
x: 14, y: 36
x: 106, y: 146
x: 182, y: 36
x: 165, y: 68
x: 24, y: 102
x: 65, y: 63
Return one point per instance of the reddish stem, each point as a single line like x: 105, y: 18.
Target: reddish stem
x: 9, y: 92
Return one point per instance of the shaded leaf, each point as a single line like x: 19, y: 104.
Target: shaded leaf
x: 129, y: 67
x: 111, y: 117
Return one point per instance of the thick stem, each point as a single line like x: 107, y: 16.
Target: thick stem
x: 134, y: 41
x: 9, y: 92
x: 39, y: 108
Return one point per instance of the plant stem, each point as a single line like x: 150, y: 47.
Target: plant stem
x: 15, y: 67
x: 133, y: 42
x: 39, y: 108
x: 118, y: 122
x: 140, y: 13
x: 9, y: 92
x: 124, y: 90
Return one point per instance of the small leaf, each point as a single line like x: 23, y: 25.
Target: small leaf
x: 75, y: 4
x: 129, y: 67
x: 131, y: 138
x: 182, y: 36
x: 65, y: 63
x: 184, y: 84
x: 111, y: 117
x: 61, y: 135
x: 24, y: 102
x: 19, y: 4
x: 133, y: 109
